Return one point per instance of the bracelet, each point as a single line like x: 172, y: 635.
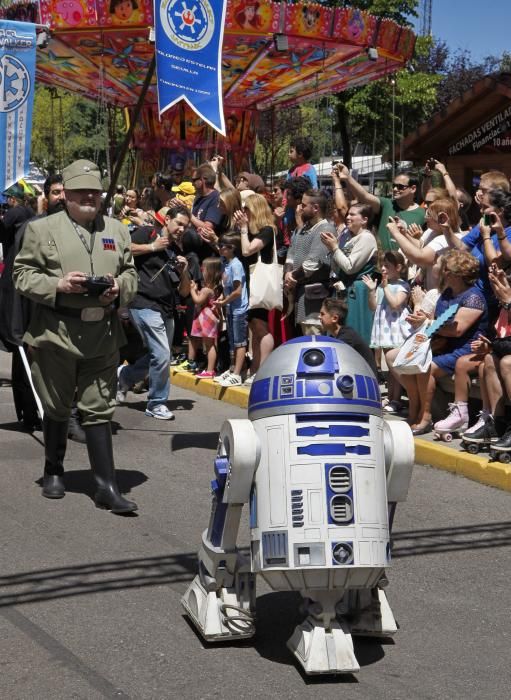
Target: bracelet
x: 339, y: 188
x: 244, y: 233
x: 502, y: 238
x: 486, y: 239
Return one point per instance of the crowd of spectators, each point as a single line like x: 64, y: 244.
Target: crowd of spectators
x: 368, y: 269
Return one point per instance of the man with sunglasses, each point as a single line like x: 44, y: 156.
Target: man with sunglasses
x: 402, y: 204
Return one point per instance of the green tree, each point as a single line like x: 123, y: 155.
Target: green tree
x: 66, y: 126
x: 383, y: 111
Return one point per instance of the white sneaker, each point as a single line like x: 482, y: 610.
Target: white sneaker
x: 220, y: 378
x: 249, y: 380
x: 232, y: 380
x: 161, y: 412
x: 122, y: 388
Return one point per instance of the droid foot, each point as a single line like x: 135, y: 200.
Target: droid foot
x: 368, y: 613
x: 321, y: 649
x: 220, y: 616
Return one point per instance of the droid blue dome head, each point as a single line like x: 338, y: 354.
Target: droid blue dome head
x: 314, y: 374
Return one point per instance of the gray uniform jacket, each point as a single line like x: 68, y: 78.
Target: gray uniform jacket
x: 51, y: 248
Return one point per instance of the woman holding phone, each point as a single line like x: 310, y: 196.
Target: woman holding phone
x: 439, y: 214
x: 353, y: 255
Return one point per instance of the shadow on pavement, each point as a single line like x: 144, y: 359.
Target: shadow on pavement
x: 451, y: 539
x: 81, y: 481
x: 100, y: 577
x: 278, y: 614
x: 183, y: 441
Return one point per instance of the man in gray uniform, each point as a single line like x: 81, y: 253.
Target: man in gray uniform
x: 74, y: 332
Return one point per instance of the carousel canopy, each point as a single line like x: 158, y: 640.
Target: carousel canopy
x: 274, y: 53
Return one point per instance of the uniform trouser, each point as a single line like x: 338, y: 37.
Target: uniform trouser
x: 57, y: 375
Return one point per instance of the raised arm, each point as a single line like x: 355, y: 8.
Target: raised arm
x: 361, y: 194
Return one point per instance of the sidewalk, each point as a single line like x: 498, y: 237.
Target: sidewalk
x: 427, y: 450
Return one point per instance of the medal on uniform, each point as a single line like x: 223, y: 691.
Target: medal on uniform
x: 108, y: 243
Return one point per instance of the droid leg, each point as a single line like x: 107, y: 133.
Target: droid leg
x: 321, y: 643
x: 221, y: 599
x: 367, y: 613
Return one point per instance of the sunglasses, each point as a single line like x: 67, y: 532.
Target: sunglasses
x: 399, y: 186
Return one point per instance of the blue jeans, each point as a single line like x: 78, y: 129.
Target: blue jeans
x: 157, y: 333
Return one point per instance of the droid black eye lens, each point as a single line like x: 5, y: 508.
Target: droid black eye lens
x: 345, y: 384
x: 314, y: 358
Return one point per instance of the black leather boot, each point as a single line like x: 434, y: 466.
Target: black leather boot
x: 75, y: 431
x: 101, y: 457
x: 55, y: 441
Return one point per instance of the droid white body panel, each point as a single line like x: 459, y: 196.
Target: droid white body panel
x: 315, y: 462
x: 318, y: 511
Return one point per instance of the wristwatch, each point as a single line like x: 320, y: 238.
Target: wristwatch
x: 505, y: 305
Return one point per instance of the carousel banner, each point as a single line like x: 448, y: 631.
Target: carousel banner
x: 188, y: 42
x: 17, y: 71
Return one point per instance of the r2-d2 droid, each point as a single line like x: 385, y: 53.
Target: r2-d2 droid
x: 320, y: 470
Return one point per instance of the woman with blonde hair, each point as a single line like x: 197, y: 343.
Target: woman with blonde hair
x: 258, y: 233
x: 229, y: 201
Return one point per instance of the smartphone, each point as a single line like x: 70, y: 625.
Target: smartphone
x: 377, y: 277
x: 431, y: 162
x: 487, y: 220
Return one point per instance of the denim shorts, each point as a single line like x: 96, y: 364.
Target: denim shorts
x: 237, y: 330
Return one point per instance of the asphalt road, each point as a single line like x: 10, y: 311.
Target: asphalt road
x: 89, y: 602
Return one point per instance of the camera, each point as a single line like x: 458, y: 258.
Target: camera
x: 431, y: 163
x: 95, y: 286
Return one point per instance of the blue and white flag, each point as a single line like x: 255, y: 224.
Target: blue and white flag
x: 189, y: 37
x: 17, y: 78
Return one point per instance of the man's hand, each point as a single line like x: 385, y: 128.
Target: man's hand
x: 216, y: 163
x: 161, y: 242
x: 207, y: 234
x: 181, y: 263
x: 72, y: 283
x: 110, y: 294
x: 289, y: 281
x: 342, y: 171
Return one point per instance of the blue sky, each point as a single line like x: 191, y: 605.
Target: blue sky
x: 483, y: 26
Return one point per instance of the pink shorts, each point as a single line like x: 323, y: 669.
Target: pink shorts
x: 205, y: 324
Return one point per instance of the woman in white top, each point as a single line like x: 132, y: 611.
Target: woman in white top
x: 353, y: 256
x: 433, y: 242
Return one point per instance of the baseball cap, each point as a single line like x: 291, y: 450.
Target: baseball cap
x: 255, y: 182
x: 184, y: 188
x: 161, y: 214
x: 15, y: 190
x: 82, y: 175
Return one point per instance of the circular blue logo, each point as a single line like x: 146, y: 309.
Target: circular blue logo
x: 188, y: 23
x: 14, y: 83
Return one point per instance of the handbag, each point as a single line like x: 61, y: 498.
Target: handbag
x: 316, y: 291
x: 266, y: 282
x: 501, y: 346
x: 415, y: 355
